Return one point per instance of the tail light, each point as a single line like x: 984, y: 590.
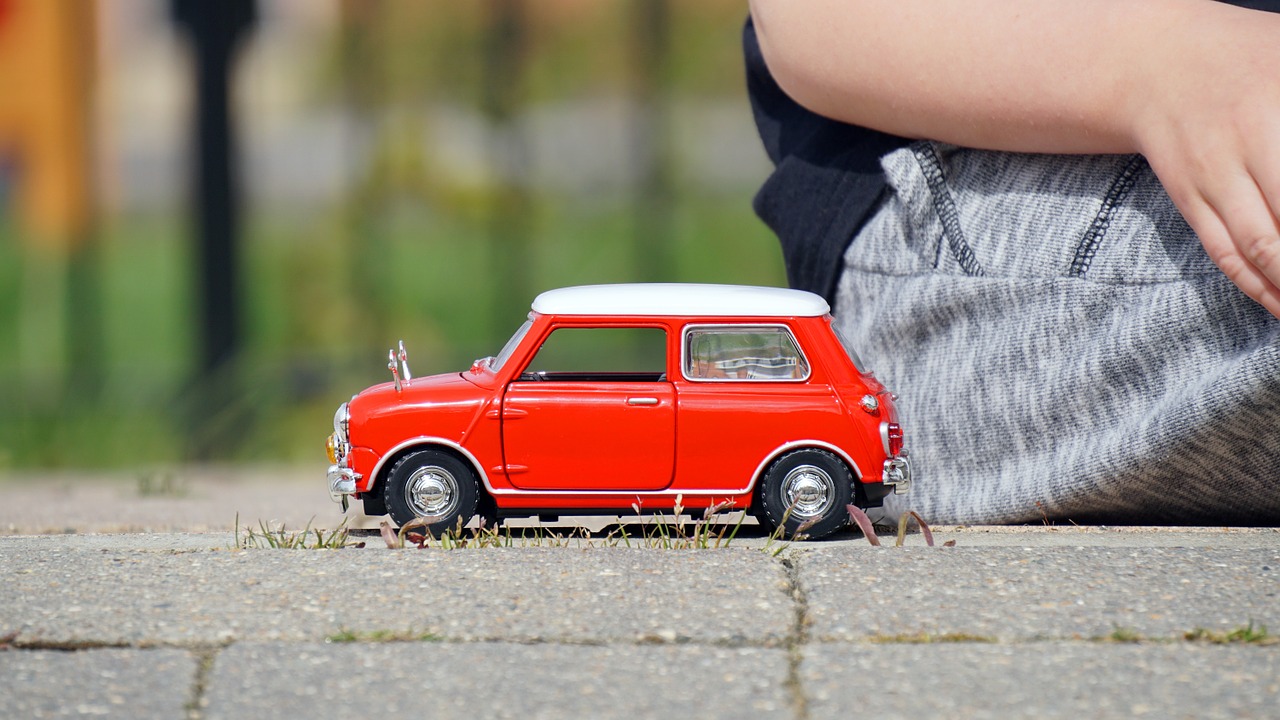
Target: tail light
x: 891, y: 433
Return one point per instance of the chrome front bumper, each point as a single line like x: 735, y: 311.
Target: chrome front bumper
x: 342, y: 482
x: 897, y: 472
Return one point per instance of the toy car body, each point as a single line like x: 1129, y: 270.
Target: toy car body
x: 720, y: 394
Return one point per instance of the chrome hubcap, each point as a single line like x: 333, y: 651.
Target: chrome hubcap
x: 433, y: 491
x: 809, y: 491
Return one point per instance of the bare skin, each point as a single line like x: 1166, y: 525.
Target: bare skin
x: 1190, y: 84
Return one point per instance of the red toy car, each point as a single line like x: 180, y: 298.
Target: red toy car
x: 614, y: 395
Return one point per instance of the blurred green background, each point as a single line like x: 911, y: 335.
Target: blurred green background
x: 412, y: 170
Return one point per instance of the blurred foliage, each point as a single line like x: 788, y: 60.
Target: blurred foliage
x: 407, y: 253
x: 406, y: 50
x: 301, y: 360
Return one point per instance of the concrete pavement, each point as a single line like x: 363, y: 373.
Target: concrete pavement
x: 1028, y: 622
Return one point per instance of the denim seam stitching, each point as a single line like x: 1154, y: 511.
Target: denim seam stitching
x: 1092, y: 238
x: 945, y: 206
x: 1122, y: 282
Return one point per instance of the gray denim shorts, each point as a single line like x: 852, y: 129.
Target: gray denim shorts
x: 1062, y: 346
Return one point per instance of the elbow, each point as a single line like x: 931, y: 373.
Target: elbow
x: 799, y: 58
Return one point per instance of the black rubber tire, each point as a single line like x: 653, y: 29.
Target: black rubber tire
x: 374, y: 505
x: 429, y: 466
x: 487, y: 509
x: 822, y: 467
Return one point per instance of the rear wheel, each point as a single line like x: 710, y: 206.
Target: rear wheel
x: 806, y: 487
x: 434, y: 486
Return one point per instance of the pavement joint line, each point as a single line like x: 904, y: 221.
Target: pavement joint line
x: 37, y: 644
x: 200, y: 682
x: 943, y: 639
x: 799, y: 636
x: 66, y: 645
x: 792, y: 645
x: 641, y: 641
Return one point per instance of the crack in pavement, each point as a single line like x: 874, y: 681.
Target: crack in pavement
x: 798, y: 638
x: 200, y: 683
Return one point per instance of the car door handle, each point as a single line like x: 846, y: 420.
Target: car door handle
x: 642, y: 401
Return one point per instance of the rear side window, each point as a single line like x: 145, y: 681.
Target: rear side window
x: 743, y: 352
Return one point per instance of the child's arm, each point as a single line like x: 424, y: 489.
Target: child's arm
x: 1194, y: 85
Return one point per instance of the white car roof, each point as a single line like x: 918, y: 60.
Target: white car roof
x: 680, y: 299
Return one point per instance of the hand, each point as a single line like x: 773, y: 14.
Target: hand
x: 1191, y: 84
x: 1210, y: 127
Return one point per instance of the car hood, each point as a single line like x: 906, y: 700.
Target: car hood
x: 433, y: 391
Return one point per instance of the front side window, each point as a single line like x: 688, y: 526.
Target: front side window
x: 620, y: 354
x: 743, y: 353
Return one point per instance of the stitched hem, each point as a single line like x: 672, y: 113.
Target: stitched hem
x: 1115, y: 195
x: 945, y: 205
x: 1125, y: 282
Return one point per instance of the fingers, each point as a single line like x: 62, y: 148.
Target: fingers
x: 1212, y: 134
x: 1261, y: 247
x: 1240, y: 233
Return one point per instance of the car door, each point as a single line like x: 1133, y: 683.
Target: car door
x: 746, y: 391
x: 593, y: 410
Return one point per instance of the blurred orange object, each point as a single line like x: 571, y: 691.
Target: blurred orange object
x: 47, y: 52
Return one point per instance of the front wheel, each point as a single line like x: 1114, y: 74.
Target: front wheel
x: 806, y: 487
x: 432, y: 485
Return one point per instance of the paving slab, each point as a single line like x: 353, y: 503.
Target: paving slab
x: 1069, y: 536
x: 168, y: 499
x: 120, y: 683
x: 499, y: 680
x: 592, y: 631
x: 1016, y: 593
x: 1041, y: 680
x: 523, y: 594
x: 167, y: 543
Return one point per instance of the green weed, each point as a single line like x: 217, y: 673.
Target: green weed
x: 773, y: 547
x: 1124, y: 635
x: 922, y: 638
x: 345, y: 635
x: 659, y: 533
x: 699, y: 535
x: 282, y: 538
x: 1246, y: 634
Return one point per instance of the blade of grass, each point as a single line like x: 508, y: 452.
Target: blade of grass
x: 924, y: 528
x: 864, y: 524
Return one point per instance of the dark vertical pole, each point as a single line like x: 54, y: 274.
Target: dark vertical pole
x: 215, y: 30
x: 506, y: 46
x: 650, y: 154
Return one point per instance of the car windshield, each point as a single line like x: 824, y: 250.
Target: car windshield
x: 510, y: 347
